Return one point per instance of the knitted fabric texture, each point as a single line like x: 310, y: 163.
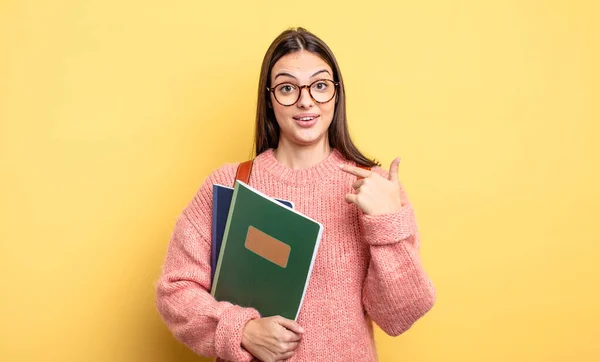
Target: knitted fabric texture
x: 367, y: 268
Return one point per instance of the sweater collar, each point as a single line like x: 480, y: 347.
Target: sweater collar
x: 323, y: 170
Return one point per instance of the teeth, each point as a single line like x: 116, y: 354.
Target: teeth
x: 306, y: 118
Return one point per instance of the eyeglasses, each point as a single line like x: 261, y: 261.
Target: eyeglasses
x: 321, y: 91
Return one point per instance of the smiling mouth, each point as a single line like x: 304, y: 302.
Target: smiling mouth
x: 305, y: 118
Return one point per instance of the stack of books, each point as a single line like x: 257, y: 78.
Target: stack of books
x: 263, y: 251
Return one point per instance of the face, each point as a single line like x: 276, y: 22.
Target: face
x: 306, y: 122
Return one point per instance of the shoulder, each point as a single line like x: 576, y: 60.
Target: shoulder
x: 198, y: 211
x: 223, y: 175
x: 201, y: 203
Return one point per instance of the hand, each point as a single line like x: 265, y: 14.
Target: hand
x: 375, y: 195
x: 272, y: 339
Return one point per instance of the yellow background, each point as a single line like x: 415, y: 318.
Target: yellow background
x: 113, y: 112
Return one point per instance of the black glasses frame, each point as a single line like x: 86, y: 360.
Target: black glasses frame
x: 300, y: 87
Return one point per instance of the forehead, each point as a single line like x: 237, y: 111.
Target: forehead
x: 302, y: 65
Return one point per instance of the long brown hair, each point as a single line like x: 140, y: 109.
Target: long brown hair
x: 267, y: 130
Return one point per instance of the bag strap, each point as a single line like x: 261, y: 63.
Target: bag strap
x: 245, y: 168
x: 243, y: 171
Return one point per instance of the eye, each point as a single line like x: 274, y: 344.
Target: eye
x: 286, y: 88
x: 321, y: 85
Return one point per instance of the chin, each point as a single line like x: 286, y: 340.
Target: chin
x: 307, y: 141
x: 305, y: 137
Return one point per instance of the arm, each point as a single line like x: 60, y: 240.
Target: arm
x: 208, y: 327
x: 397, y: 291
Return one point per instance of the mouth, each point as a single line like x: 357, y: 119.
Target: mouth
x: 306, y: 120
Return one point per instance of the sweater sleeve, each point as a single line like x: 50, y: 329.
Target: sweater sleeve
x: 195, y: 318
x: 397, y: 291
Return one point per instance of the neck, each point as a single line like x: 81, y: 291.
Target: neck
x: 301, y: 157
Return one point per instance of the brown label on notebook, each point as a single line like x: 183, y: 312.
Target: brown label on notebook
x: 267, y: 246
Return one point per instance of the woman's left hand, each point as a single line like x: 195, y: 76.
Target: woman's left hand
x: 375, y: 195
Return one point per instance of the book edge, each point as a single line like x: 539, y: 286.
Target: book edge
x: 213, y: 238
x: 278, y: 200
x: 224, y: 242
x: 274, y: 201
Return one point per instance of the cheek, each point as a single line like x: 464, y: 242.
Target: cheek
x: 281, y: 113
x: 277, y: 108
x: 328, y: 110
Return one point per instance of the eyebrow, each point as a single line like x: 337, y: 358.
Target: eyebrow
x: 321, y: 71
x: 289, y: 75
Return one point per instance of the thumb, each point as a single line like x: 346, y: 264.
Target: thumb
x: 290, y: 324
x: 393, y: 176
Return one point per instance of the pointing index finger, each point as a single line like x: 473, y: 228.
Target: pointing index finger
x: 355, y: 171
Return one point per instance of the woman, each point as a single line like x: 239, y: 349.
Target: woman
x: 367, y: 267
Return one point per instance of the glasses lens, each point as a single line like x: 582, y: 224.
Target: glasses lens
x: 287, y: 93
x: 322, y: 90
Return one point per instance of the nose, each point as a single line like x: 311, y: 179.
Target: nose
x: 305, y: 100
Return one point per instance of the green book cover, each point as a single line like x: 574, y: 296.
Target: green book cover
x: 267, y: 254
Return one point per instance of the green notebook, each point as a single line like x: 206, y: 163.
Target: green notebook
x: 267, y: 254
